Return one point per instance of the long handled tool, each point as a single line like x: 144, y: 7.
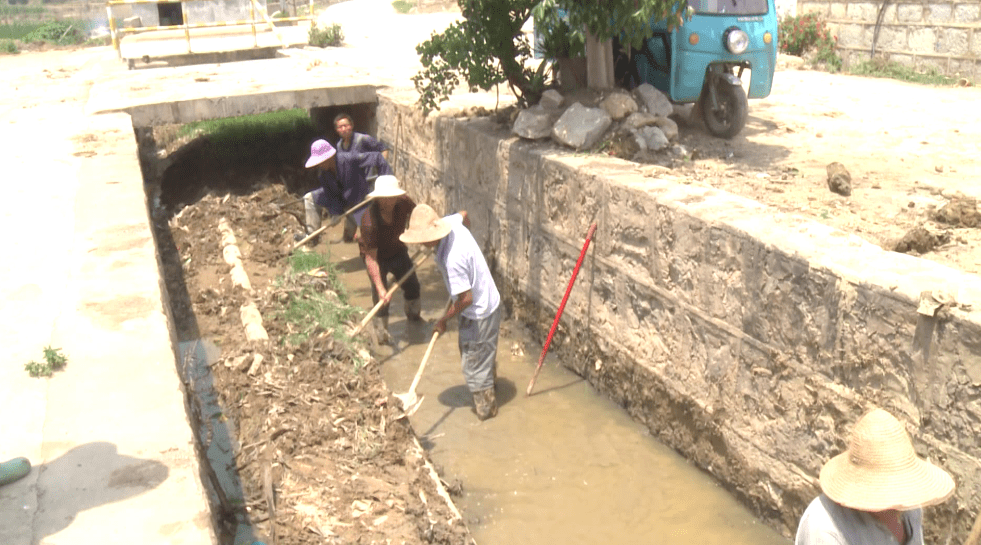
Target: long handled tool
x: 555, y: 323
x: 410, y: 401
x: 975, y: 536
x: 381, y: 300
x: 334, y: 221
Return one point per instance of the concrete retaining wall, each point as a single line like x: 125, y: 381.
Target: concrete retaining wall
x: 940, y: 34
x: 747, y: 339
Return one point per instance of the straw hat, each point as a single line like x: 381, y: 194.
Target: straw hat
x: 320, y: 151
x: 880, y: 470
x: 425, y: 226
x: 386, y: 185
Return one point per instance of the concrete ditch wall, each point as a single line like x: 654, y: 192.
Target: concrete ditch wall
x: 748, y: 340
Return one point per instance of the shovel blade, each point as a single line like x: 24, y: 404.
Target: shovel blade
x: 410, y: 402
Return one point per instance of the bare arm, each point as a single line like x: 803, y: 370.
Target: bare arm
x: 374, y: 274
x: 466, y: 218
x: 463, y: 301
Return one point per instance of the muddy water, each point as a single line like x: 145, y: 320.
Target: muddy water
x: 565, y: 465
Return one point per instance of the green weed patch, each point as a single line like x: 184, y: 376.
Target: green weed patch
x: 888, y: 69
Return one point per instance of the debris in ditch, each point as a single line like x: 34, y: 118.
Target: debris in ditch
x: 314, y: 431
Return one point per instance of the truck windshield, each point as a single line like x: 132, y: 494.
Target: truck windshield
x: 729, y: 7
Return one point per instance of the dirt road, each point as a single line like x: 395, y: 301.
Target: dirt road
x: 909, y: 149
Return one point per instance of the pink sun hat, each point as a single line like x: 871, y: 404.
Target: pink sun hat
x: 320, y: 151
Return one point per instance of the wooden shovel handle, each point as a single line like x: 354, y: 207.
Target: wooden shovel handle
x: 333, y: 222
x: 425, y: 358
x: 381, y: 301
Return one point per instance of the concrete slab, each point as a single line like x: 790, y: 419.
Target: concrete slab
x: 113, y: 452
x: 194, y: 93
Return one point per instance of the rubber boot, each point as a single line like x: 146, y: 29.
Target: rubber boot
x: 381, y: 327
x: 413, y: 309
x: 485, y: 403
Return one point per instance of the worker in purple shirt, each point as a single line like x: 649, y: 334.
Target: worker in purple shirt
x: 343, y: 184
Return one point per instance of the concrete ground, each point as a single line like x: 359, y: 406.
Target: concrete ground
x: 112, y: 449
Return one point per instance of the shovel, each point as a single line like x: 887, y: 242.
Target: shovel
x: 333, y: 221
x: 409, y: 400
x: 381, y: 300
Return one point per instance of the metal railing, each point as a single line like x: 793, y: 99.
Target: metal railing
x: 254, y: 7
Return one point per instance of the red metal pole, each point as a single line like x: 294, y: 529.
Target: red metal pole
x: 558, y: 314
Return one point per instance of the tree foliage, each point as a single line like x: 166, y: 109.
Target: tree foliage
x: 487, y: 48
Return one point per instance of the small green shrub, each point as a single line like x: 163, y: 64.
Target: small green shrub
x: 54, y: 360
x: 8, y: 47
x: 807, y: 33
x: 330, y: 36
x: 403, y: 6
x: 58, y: 32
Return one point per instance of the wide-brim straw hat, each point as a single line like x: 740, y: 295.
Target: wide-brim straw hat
x: 880, y: 470
x: 425, y: 226
x: 320, y: 151
x: 386, y: 185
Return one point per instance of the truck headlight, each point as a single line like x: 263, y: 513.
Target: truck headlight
x: 736, y: 40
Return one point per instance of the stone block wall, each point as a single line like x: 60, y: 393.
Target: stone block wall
x: 747, y: 339
x: 924, y: 34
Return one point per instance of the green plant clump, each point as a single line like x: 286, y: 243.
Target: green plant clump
x: 309, y: 310
x: 8, y: 47
x: 65, y: 32
x: 234, y: 138
x: 403, y: 6
x: 330, y: 36
x: 54, y: 360
x: 808, y: 33
x: 879, y: 68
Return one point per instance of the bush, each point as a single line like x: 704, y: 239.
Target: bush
x: 330, y: 36
x: 807, y: 33
x: 8, y: 47
x: 403, y: 6
x: 58, y: 32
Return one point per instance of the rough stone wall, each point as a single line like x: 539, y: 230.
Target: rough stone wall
x: 747, y: 339
x: 941, y: 34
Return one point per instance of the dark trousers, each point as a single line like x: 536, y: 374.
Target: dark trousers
x: 398, y: 265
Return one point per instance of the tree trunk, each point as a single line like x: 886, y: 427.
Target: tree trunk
x: 599, y: 63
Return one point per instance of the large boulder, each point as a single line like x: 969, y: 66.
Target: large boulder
x: 534, y: 123
x: 581, y: 127
x: 668, y: 126
x: 654, y: 101
x: 619, y: 105
x: 639, y: 120
x: 654, y: 137
x: 551, y: 100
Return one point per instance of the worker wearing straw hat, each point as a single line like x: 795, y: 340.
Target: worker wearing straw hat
x: 874, y: 491
x: 475, y: 298
x: 383, y: 253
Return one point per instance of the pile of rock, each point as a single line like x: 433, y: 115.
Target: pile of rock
x: 633, y: 123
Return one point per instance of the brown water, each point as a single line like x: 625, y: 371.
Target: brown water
x: 565, y: 465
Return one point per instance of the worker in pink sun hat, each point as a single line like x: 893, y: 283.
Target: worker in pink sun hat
x: 343, y: 185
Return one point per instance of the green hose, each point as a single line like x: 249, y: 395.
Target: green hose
x: 13, y: 470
